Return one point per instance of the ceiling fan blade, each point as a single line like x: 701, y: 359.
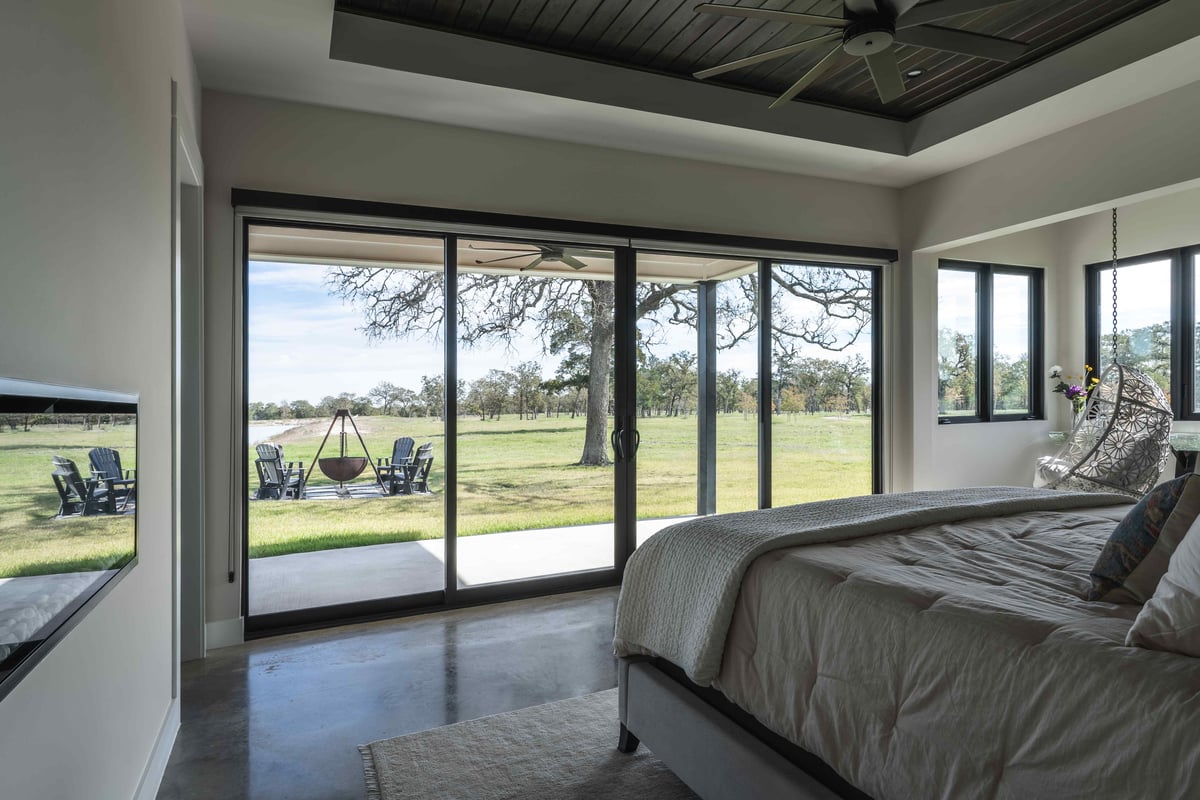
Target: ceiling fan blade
x: 772, y: 15
x: 963, y: 43
x: 807, y: 79
x: 525, y: 254
x: 532, y: 264
x: 758, y: 58
x: 591, y: 253
x: 572, y: 262
x: 885, y: 71
x: 934, y: 10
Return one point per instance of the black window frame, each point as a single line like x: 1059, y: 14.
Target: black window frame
x: 984, y: 399
x: 1097, y: 322
x: 254, y: 207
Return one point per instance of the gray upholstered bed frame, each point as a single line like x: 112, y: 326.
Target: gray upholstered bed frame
x: 719, y: 751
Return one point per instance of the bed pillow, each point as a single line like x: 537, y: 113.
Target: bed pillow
x: 1170, y: 620
x: 1137, y: 553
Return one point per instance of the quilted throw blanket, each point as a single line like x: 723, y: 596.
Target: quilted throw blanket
x: 680, y: 587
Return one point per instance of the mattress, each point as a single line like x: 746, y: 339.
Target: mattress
x: 959, y: 661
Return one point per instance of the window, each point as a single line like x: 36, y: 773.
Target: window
x: 1157, y: 298
x: 989, y: 342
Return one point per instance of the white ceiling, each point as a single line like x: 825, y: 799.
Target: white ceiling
x: 280, y: 49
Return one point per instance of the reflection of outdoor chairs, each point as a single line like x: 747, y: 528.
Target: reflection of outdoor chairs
x: 276, y: 481
x: 79, y: 496
x: 106, y: 468
x: 392, y: 470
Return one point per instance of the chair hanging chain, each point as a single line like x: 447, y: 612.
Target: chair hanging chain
x: 1114, y: 285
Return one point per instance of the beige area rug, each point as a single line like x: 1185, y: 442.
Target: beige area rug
x: 557, y: 751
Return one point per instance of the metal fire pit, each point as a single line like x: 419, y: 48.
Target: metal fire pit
x: 342, y: 468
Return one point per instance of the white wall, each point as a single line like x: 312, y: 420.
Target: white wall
x: 1053, y: 194
x: 1001, y: 453
x: 85, y: 222
x: 1145, y: 150
x: 992, y: 453
x: 263, y: 144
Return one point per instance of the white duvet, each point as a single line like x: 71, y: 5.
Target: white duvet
x: 959, y: 661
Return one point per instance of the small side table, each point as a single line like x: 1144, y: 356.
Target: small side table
x: 1185, y: 446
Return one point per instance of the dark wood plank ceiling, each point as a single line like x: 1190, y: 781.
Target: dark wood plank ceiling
x: 668, y: 36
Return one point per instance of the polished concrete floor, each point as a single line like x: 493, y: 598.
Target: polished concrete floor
x: 281, y: 718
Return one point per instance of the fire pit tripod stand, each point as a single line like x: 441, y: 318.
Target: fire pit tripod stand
x: 342, y: 468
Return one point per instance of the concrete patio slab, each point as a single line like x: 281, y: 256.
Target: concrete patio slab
x: 352, y: 574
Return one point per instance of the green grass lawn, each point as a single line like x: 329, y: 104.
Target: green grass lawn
x: 32, y: 541
x: 520, y: 474
x: 513, y: 475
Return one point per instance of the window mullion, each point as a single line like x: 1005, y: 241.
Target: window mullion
x: 983, y: 369
x: 1183, y: 337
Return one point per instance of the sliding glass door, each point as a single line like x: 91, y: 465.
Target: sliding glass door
x: 697, y: 376
x: 535, y: 394
x: 344, y: 366
x: 434, y: 420
x: 824, y: 351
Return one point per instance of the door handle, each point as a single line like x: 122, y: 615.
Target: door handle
x: 637, y: 440
x: 618, y: 445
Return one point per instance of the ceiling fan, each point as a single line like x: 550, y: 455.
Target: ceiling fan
x: 870, y: 28
x: 543, y: 254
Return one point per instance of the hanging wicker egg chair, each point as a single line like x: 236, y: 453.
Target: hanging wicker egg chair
x: 1120, y: 443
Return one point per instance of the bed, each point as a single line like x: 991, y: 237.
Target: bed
x: 927, y: 645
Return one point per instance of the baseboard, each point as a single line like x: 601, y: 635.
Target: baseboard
x: 157, y: 765
x: 224, y: 633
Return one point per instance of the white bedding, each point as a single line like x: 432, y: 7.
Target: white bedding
x: 958, y: 661
x: 679, y: 588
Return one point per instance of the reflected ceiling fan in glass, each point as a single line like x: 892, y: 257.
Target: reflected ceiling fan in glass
x: 541, y: 254
x: 871, y: 29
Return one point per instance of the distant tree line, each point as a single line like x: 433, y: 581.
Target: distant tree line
x: 1147, y: 349
x: 26, y: 422
x: 957, y: 376
x: 666, y: 387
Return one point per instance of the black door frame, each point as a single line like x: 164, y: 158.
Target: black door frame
x: 270, y: 208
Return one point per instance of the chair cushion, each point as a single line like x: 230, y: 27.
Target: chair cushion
x: 1137, y: 553
x: 1170, y: 620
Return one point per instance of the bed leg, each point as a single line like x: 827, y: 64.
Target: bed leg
x: 628, y: 742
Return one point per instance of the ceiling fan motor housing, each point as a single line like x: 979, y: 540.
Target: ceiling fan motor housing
x: 868, y: 37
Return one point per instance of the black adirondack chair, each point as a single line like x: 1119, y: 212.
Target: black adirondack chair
x: 392, y: 470
x: 275, y: 480
x: 78, y: 496
x: 417, y: 474
x: 121, y: 484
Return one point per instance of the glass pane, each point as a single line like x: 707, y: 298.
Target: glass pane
x: 668, y: 387
x: 345, y: 365
x: 68, y: 507
x: 1143, y: 319
x: 821, y: 352
x: 958, y: 342
x: 1196, y: 332
x: 1010, y: 344
x: 737, y: 392
x: 535, y: 476
x: 687, y: 464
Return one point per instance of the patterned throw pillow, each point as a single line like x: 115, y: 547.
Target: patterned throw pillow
x: 1137, y: 536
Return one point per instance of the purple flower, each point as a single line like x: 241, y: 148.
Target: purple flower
x: 1073, y: 391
